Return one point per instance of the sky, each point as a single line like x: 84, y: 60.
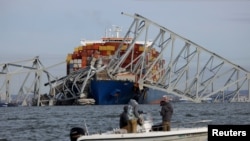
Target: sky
x: 51, y: 29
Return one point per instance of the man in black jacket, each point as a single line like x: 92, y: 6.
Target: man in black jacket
x: 124, y: 118
x: 166, y: 113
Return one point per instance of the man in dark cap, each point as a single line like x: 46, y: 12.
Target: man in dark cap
x: 166, y: 113
x: 124, y: 118
x: 76, y: 132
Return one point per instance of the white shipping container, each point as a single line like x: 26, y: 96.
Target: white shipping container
x: 79, y: 61
x: 75, y: 61
x: 129, y: 77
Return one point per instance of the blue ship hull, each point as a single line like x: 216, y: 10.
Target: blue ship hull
x: 111, y: 92
x: 114, y: 92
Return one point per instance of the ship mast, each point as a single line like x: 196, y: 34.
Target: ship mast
x: 117, y: 30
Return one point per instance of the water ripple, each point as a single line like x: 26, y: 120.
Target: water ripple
x: 54, y: 123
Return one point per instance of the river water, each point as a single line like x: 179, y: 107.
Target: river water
x: 54, y: 123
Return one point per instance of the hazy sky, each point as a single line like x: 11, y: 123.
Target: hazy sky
x: 53, y: 28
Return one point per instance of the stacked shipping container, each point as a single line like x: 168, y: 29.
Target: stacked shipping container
x: 83, y: 54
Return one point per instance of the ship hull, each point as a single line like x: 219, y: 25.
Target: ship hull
x: 111, y: 92
x: 104, y: 93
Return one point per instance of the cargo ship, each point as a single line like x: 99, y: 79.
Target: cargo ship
x: 101, y: 88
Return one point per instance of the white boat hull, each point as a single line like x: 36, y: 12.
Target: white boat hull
x: 187, y: 134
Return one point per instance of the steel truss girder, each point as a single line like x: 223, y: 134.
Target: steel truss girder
x: 184, y: 68
x: 73, y: 85
x: 32, y: 71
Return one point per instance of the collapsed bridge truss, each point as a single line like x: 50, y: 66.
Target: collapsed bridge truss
x: 182, y: 68
x: 27, y: 77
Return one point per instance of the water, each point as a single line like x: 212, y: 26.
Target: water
x: 54, y: 123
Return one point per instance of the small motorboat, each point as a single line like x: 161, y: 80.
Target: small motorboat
x: 146, y: 132
x: 187, y: 134
x: 3, y: 104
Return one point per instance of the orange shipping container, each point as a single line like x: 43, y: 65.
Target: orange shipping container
x: 84, y: 58
x: 96, y: 55
x: 69, y: 57
x: 111, y: 48
x: 124, y: 47
x: 109, y: 52
x: 84, y: 63
x: 84, y: 54
x: 96, y: 46
x: 102, y: 48
x: 103, y: 53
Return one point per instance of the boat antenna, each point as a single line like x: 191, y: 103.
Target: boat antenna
x: 86, y: 128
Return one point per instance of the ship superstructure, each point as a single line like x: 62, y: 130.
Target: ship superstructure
x: 99, y: 52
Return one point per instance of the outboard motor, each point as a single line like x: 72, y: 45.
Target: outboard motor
x: 157, y: 127
x: 76, y: 132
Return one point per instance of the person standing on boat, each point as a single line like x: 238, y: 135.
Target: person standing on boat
x: 166, y: 113
x: 124, y: 118
x: 133, y: 116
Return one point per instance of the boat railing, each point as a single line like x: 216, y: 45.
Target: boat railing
x: 176, y: 125
x: 200, y: 123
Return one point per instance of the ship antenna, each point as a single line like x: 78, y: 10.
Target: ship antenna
x: 108, y: 32
x: 117, y: 30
